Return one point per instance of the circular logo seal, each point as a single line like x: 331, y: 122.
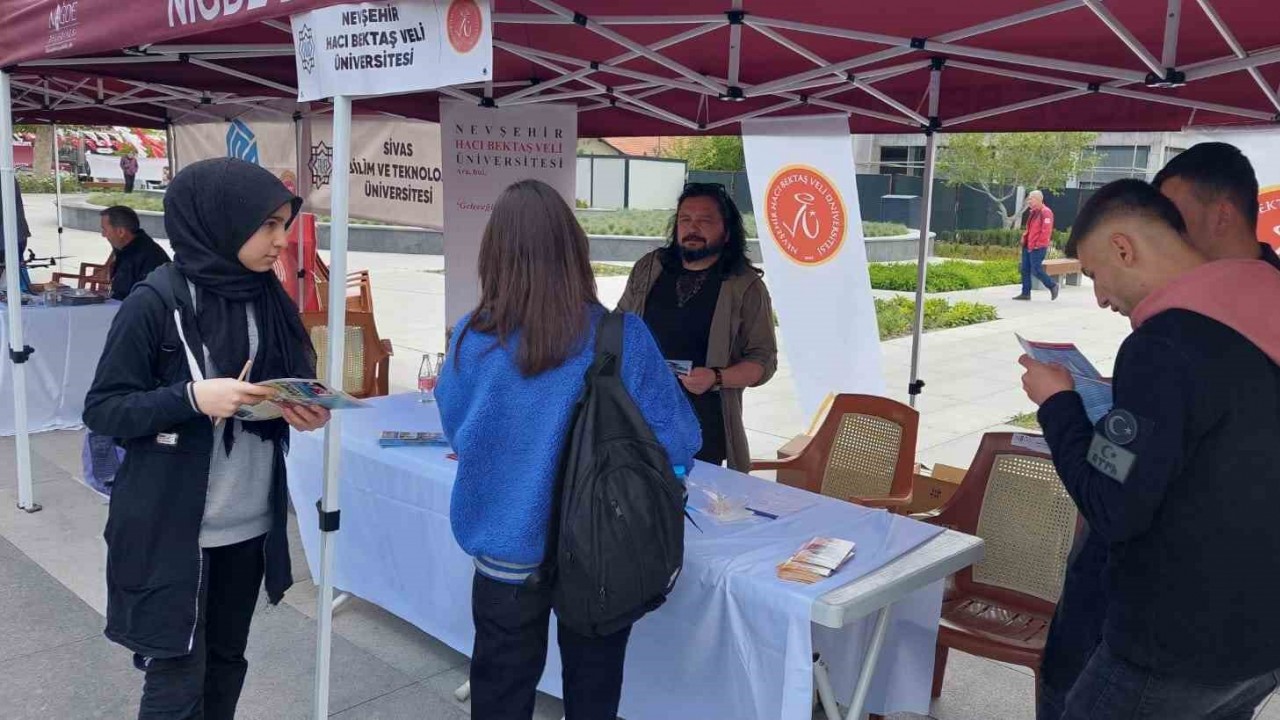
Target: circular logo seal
x: 466, y: 24
x: 1269, y: 216
x: 806, y: 215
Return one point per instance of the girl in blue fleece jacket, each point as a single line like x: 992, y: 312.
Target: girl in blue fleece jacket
x: 515, y: 370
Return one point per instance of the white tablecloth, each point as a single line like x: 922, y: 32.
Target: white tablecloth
x: 68, y: 341
x: 732, y: 640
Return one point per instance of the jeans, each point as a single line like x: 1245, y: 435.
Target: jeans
x: 1033, y: 264
x: 511, y: 652
x: 1112, y: 688
x: 1049, y: 702
x: 206, y: 684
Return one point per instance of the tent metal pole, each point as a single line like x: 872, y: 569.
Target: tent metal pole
x: 926, y: 209
x: 299, y: 146
x: 328, y: 505
x: 1172, y: 22
x: 57, y: 188
x: 18, y: 351
x: 1238, y: 49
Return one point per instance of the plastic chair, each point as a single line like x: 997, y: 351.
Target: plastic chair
x: 863, y: 452
x: 367, y: 363
x: 1000, y: 608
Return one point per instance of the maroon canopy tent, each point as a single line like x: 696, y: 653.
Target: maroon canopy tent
x: 664, y: 67
x: 639, y: 67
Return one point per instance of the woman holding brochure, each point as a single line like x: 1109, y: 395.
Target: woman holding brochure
x: 197, y: 518
x: 515, y: 370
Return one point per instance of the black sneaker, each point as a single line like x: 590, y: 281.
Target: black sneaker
x: 1053, y: 291
x: 1021, y: 297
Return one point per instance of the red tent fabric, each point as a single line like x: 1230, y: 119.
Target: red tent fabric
x: 1065, y: 66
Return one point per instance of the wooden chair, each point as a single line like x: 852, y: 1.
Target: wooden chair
x: 1000, y: 608
x: 367, y: 363
x: 864, y: 452
x: 359, y: 292
x: 92, y: 276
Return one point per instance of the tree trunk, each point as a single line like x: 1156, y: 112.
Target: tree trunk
x: 42, y: 163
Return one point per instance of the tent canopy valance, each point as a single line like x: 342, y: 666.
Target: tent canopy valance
x: 638, y: 67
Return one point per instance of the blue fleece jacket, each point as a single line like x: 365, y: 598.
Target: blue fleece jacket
x: 509, y: 431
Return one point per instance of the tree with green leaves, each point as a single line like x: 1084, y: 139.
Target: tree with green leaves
x: 717, y: 152
x: 997, y: 165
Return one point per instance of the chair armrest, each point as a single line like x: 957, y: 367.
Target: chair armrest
x: 786, y: 464
x: 927, y: 517
x: 887, y: 503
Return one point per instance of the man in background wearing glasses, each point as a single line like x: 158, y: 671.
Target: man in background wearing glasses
x: 710, y: 312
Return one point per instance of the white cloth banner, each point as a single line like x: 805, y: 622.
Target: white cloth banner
x: 384, y: 48
x: 485, y: 151
x: 806, y: 199
x: 68, y: 342
x: 395, y: 164
x: 1262, y: 147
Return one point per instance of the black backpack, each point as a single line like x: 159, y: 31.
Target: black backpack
x: 616, y: 539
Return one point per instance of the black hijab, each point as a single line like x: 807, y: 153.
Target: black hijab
x: 211, y: 209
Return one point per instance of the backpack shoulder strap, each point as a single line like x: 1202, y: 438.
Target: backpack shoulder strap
x: 609, y: 343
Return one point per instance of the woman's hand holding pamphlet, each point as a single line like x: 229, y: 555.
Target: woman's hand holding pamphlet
x: 297, y: 392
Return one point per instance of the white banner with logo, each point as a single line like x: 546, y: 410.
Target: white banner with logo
x: 1262, y: 147
x: 806, y: 199
x: 485, y: 151
x: 395, y: 164
x: 395, y: 171
x: 384, y: 48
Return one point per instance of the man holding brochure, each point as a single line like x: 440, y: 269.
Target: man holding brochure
x: 709, y: 310
x: 1173, y: 480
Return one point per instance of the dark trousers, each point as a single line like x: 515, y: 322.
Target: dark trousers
x: 511, y: 652
x: 205, y: 685
x: 128, y: 182
x: 1033, y: 265
x: 1112, y: 688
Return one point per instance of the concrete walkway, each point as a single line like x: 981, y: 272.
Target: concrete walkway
x: 55, y: 664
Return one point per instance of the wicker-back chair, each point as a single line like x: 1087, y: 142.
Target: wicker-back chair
x: 1000, y: 607
x: 863, y: 452
x: 367, y: 362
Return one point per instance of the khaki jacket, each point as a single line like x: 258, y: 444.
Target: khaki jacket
x: 741, y: 330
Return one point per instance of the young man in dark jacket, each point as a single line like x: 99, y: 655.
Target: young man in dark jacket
x: 1215, y: 189
x: 1166, y: 479
x: 135, y: 254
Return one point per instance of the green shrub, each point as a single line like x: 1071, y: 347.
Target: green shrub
x: 657, y: 223
x: 947, y: 276
x: 896, y: 316
x: 976, y: 252
x: 32, y: 184
x: 137, y: 201
x: 883, y: 229
x: 996, y: 236
x: 1026, y: 421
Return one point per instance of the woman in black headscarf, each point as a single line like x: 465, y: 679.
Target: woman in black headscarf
x: 198, y: 508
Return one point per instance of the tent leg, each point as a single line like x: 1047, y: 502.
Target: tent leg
x: 57, y: 188
x: 300, y: 272
x: 18, y: 352
x: 328, y: 505
x: 926, y: 211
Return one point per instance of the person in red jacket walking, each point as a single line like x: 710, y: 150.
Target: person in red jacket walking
x: 1036, y: 240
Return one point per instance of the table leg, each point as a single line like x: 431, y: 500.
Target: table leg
x: 826, y: 694
x: 869, y: 662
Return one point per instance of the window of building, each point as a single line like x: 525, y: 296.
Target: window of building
x: 902, y: 160
x: 1117, y: 162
